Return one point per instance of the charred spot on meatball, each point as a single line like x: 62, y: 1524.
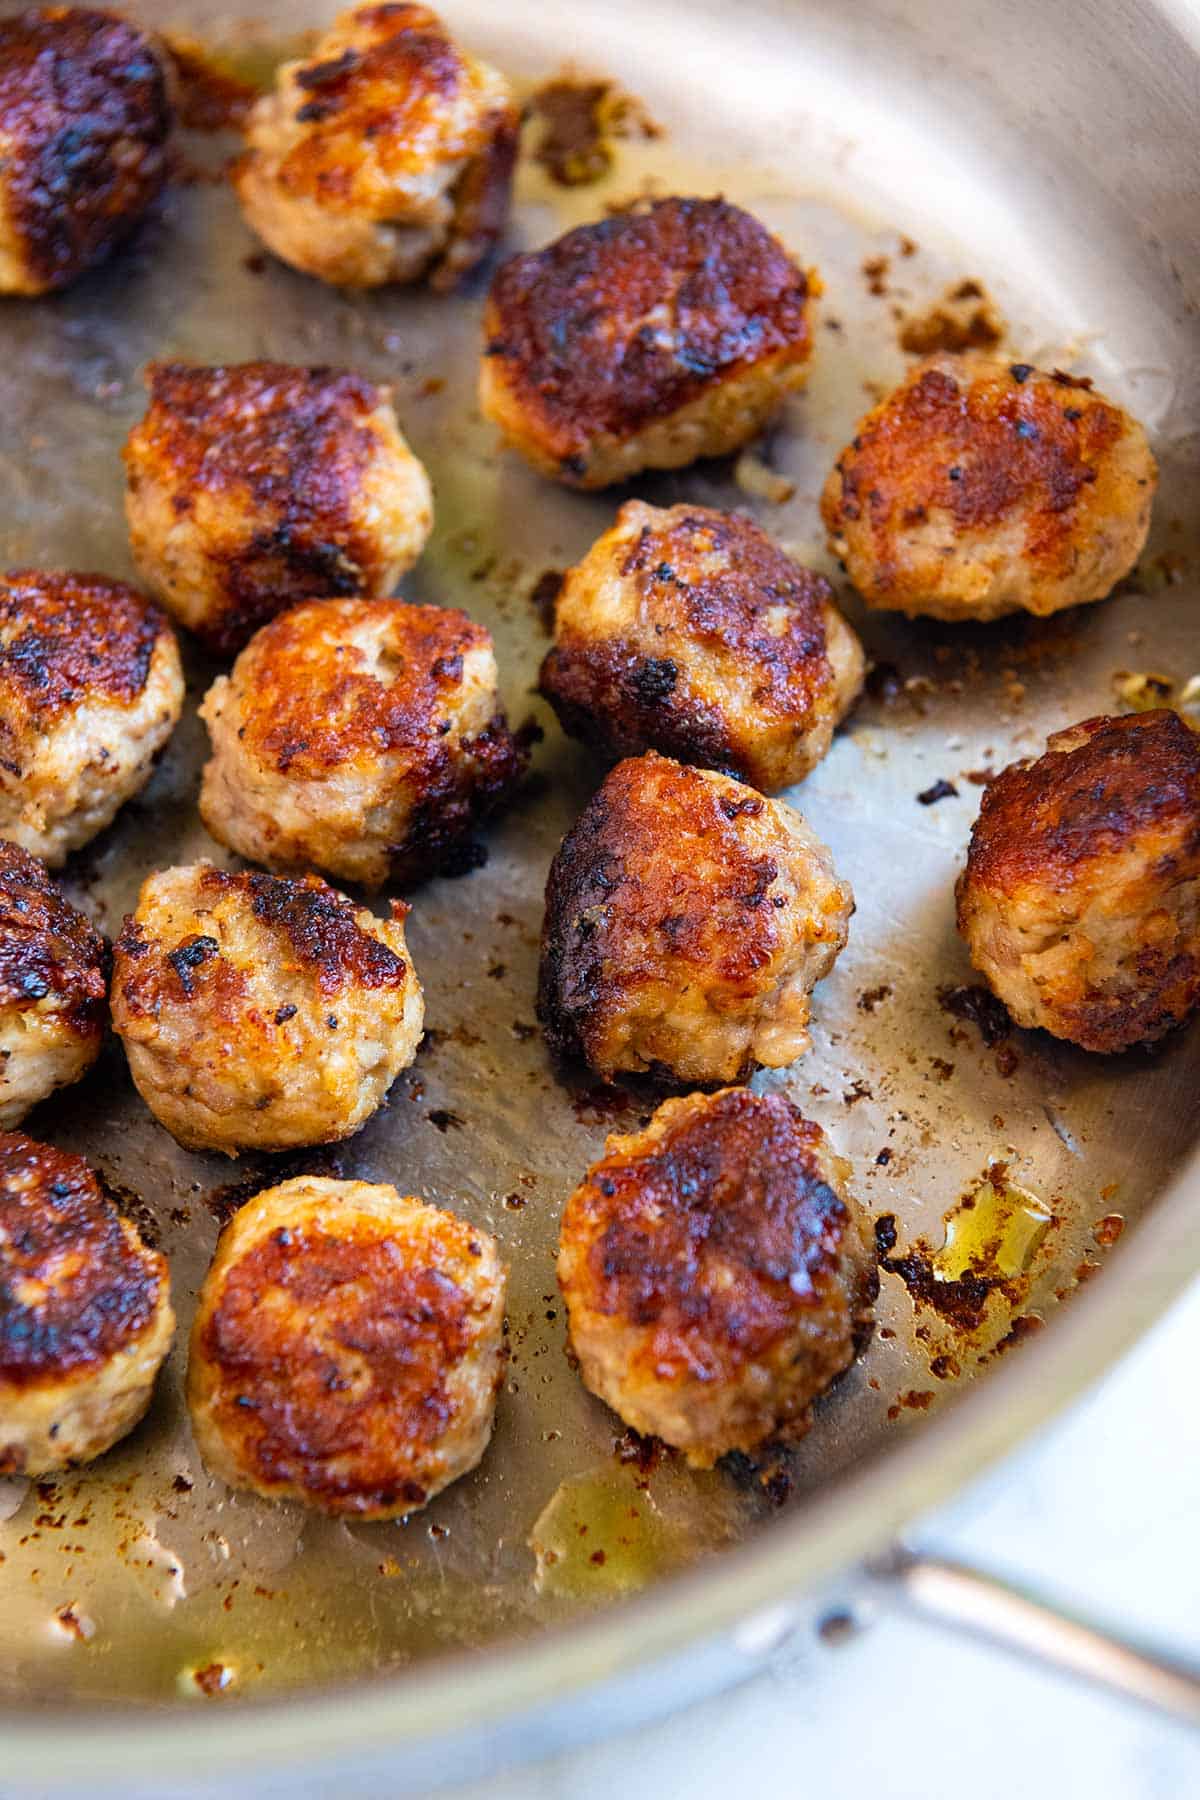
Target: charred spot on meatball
x: 254, y: 486
x: 91, y: 689
x: 348, y: 1348
x: 1080, y: 900
x: 85, y: 1313
x: 690, y: 632
x: 717, y: 1275
x: 687, y: 921
x: 644, y: 340
x: 85, y: 119
x: 363, y: 737
x: 980, y: 488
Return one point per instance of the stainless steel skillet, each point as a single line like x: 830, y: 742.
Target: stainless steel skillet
x: 1050, y: 154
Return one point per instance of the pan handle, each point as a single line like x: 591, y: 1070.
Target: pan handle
x: 985, y: 1606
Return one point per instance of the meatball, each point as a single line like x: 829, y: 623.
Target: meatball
x: 1080, y: 901
x: 53, y: 987
x: 85, y: 1312
x: 717, y: 1275
x: 348, y: 1348
x: 91, y: 689
x: 387, y: 155
x: 687, y: 921
x: 981, y: 488
x: 85, y: 117
x: 363, y: 737
x: 254, y: 486
x: 690, y: 632
x: 260, y: 1013
x: 644, y: 341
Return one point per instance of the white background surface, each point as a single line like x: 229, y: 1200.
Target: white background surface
x: 1103, y: 1510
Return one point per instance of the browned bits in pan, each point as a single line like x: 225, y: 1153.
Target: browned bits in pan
x: 1080, y: 901
x: 717, y: 1274
x: 644, y: 341
x: 84, y: 123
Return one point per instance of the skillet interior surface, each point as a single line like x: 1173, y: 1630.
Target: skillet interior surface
x: 889, y: 153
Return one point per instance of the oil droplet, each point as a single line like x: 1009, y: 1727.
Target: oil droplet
x: 1107, y: 1230
x: 995, y: 1231
x: 601, y: 1535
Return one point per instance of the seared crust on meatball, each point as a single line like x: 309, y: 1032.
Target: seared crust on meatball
x: 689, y: 631
x: 644, y: 341
x: 387, y: 155
x: 362, y: 737
x: 53, y: 986
x: 1080, y: 901
x: 91, y: 688
x: 980, y: 488
x: 85, y: 1312
x: 687, y: 921
x: 348, y: 1348
x: 84, y: 120
x: 717, y: 1274
x: 254, y: 486
x: 259, y: 1012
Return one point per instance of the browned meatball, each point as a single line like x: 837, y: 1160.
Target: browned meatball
x: 717, y: 1274
x: 687, y: 921
x: 386, y: 155
x: 254, y: 486
x: 981, y: 487
x: 262, y: 1013
x: 689, y: 631
x: 1080, y: 901
x: 644, y: 341
x: 348, y: 1348
x: 53, y: 986
x: 91, y: 689
x: 362, y: 737
x: 85, y: 1312
x: 84, y: 121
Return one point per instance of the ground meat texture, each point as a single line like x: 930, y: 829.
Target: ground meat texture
x: 717, y: 1274
x: 385, y: 156
x: 687, y: 921
x: 53, y: 986
x: 254, y: 486
x: 1080, y: 901
x: 982, y: 487
x: 85, y: 1312
x: 84, y: 122
x: 348, y: 1348
x: 689, y: 631
x: 91, y: 689
x: 644, y: 341
x: 262, y: 1013
x: 362, y: 737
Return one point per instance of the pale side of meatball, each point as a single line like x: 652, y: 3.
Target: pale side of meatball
x: 362, y: 737
x: 385, y: 156
x: 690, y: 632
x: 85, y: 118
x: 257, y: 485
x: 91, y: 688
x: 53, y: 987
x: 1080, y: 901
x: 717, y: 1274
x: 644, y: 341
x: 262, y: 1013
x: 687, y: 921
x: 85, y: 1313
x: 348, y: 1348
x: 981, y: 487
